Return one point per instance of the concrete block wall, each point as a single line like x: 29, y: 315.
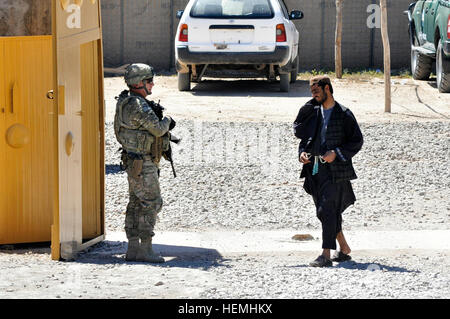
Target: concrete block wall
x: 25, y: 17
x: 362, y: 46
x: 138, y: 30
x: 144, y: 31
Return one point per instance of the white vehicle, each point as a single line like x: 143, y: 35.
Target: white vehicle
x: 237, y: 39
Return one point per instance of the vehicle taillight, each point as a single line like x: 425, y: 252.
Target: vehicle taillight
x: 281, y: 33
x: 448, y: 27
x: 183, y: 33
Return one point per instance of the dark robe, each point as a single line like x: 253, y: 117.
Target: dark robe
x: 331, y: 188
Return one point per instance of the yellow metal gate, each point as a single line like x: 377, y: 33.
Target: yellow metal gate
x: 25, y: 128
x: 52, y: 129
x: 78, y: 75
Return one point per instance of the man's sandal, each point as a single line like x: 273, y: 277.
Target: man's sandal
x: 340, y: 257
x: 321, y: 261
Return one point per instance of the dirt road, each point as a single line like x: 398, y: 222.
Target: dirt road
x: 261, y: 101
x: 227, y: 225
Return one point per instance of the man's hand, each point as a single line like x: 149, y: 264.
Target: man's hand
x: 304, y: 158
x: 329, y: 157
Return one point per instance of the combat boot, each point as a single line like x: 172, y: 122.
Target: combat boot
x: 133, y: 249
x: 146, y: 253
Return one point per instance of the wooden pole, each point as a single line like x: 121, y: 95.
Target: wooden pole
x: 387, y: 56
x: 338, y: 40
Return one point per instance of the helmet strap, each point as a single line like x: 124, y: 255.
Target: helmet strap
x: 146, y: 90
x: 140, y: 88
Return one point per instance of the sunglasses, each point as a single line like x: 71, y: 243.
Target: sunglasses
x: 149, y: 81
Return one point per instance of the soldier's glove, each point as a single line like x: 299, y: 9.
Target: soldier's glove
x: 175, y: 139
x: 172, y: 124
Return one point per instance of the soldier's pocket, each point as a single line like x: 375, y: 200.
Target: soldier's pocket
x: 136, y: 168
x: 130, y: 221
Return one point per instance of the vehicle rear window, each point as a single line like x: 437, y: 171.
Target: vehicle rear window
x: 232, y: 9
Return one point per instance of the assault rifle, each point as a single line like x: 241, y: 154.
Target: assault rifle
x: 159, y: 109
x: 168, y: 154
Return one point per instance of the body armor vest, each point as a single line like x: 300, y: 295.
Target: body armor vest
x: 136, y: 140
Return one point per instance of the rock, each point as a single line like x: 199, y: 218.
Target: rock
x: 302, y: 237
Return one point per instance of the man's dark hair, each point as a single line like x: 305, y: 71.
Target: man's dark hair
x: 323, y: 83
x: 321, y: 80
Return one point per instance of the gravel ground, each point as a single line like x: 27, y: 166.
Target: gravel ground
x: 101, y: 272
x: 244, y: 175
x: 247, y: 177
x: 394, y: 275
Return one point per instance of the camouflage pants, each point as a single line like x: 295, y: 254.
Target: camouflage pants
x: 145, y: 200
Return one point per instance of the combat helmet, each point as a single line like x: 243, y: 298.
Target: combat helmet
x: 137, y: 72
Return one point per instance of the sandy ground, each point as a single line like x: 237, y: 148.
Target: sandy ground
x: 390, y: 264
x: 258, y: 100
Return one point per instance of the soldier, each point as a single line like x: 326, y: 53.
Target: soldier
x: 143, y: 132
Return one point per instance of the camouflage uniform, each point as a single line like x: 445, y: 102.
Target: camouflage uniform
x: 142, y: 131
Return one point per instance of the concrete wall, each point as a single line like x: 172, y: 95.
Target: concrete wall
x: 25, y: 17
x: 144, y: 31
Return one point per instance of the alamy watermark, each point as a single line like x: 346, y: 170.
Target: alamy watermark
x: 374, y: 19
x: 74, y: 19
x: 234, y: 145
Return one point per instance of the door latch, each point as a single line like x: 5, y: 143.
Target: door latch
x: 50, y: 95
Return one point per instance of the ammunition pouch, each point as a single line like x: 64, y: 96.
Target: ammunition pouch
x: 135, y: 141
x: 159, y: 147
x: 136, y: 168
x: 166, y: 142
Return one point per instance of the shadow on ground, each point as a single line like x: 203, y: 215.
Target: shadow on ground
x: 247, y: 88
x: 353, y: 265
x: 112, y: 169
x: 22, y: 249
x: 113, y: 252
x: 371, y: 267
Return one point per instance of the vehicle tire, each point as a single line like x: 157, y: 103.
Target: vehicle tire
x: 420, y: 64
x: 184, y: 81
x: 442, y: 78
x: 285, y: 80
x: 294, y: 72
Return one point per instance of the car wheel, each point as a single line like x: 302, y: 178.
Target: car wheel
x: 443, y: 79
x: 420, y: 64
x: 184, y: 81
x: 285, y: 80
x: 294, y: 72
